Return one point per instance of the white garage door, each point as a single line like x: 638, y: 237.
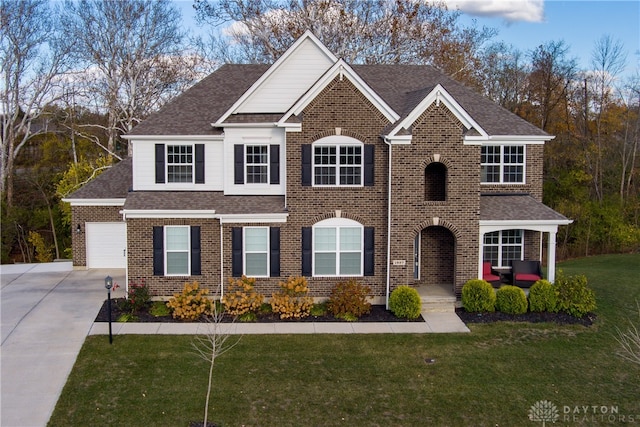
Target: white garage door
x: 106, y: 244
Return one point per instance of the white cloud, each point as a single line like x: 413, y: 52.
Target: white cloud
x: 510, y: 10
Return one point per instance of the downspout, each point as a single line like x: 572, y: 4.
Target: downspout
x: 386, y: 141
x: 221, y: 260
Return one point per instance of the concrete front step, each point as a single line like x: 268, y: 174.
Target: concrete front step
x: 438, y: 304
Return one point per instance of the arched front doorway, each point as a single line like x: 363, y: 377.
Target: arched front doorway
x: 435, y: 257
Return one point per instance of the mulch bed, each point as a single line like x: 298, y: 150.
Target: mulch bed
x: 560, y: 318
x: 378, y: 314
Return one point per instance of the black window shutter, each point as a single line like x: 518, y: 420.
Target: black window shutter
x: 199, y: 163
x: 158, y: 251
x: 274, y: 251
x: 369, y: 161
x: 238, y: 163
x: 369, y: 244
x: 236, y: 251
x: 159, y: 163
x: 307, y: 251
x: 195, y: 251
x: 306, y: 164
x: 274, y: 160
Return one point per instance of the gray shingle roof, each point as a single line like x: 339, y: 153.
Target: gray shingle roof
x: 516, y: 207
x: 204, y: 200
x: 400, y: 86
x: 114, y: 183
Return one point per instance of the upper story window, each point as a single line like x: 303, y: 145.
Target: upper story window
x: 257, y: 164
x: 502, y: 247
x: 435, y: 182
x: 337, y: 164
x: 179, y: 163
x: 502, y: 164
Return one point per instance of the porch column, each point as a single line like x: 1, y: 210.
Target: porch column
x: 551, y: 257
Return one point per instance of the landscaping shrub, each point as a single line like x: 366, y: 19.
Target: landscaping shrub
x: 241, y: 297
x: 349, y: 300
x: 159, y: 309
x: 542, y: 297
x: 511, y: 300
x: 191, y: 304
x: 478, y: 296
x: 318, y: 310
x: 292, y: 300
x: 574, y: 296
x: 405, y: 302
x: 138, y: 297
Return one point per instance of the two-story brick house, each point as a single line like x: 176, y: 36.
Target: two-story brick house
x: 390, y: 174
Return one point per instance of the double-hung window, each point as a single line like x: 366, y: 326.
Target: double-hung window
x: 256, y: 251
x: 177, y: 250
x: 257, y: 164
x: 339, y: 165
x: 502, y: 164
x: 180, y: 161
x: 502, y: 247
x: 338, y: 249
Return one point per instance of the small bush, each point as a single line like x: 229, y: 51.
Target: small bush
x: 542, y: 297
x: 318, y: 310
x: 405, y: 302
x: 349, y: 299
x: 248, y: 316
x: 511, y: 300
x: 159, y: 309
x: 191, y: 304
x: 127, y: 317
x: 292, y: 300
x: 478, y: 296
x: 138, y: 297
x: 574, y: 296
x: 241, y: 298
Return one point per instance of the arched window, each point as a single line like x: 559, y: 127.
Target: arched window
x: 435, y: 182
x: 338, y: 247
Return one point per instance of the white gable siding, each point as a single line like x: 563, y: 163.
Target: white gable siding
x: 144, y: 173
x: 289, y: 81
x: 253, y: 136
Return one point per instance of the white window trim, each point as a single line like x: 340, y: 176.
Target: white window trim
x: 193, y: 163
x: 417, y: 257
x: 167, y: 251
x: 247, y: 164
x: 338, y: 223
x: 501, y: 245
x: 502, y: 165
x: 332, y: 142
x: 245, y: 251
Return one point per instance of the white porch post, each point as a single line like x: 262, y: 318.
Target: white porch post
x: 551, y: 257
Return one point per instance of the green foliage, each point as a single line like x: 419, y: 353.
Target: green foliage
x: 349, y: 299
x: 138, y: 297
x: 574, y: 296
x: 543, y: 297
x: 249, y: 316
x: 292, y: 300
x: 478, y: 296
x: 127, y: 317
x: 241, y: 297
x: 43, y: 249
x: 318, y: 310
x: 159, y: 309
x: 511, y: 300
x: 191, y: 304
x: 405, y: 302
x: 265, y: 308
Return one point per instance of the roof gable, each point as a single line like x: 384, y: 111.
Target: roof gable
x: 286, y: 80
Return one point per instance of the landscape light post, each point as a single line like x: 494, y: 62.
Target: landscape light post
x: 108, y: 284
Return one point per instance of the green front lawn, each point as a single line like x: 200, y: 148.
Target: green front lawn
x: 489, y: 377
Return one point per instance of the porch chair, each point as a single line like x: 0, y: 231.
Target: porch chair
x: 489, y: 275
x: 526, y: 273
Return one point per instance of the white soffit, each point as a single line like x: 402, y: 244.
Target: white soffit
x: 286, y: 80
x: 94, y: 202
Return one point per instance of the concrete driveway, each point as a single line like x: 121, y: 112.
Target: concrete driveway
x: 47, y: 311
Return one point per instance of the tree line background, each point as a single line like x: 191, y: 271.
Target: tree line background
x: 77, y: 75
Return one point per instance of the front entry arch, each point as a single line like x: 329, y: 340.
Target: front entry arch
x: 435, y: 256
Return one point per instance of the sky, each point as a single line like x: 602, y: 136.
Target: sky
x: 527, y: 24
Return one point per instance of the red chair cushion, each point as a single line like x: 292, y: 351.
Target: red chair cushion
x: 527, y: 277
x: 486, y: 268
x: 490, y: 277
